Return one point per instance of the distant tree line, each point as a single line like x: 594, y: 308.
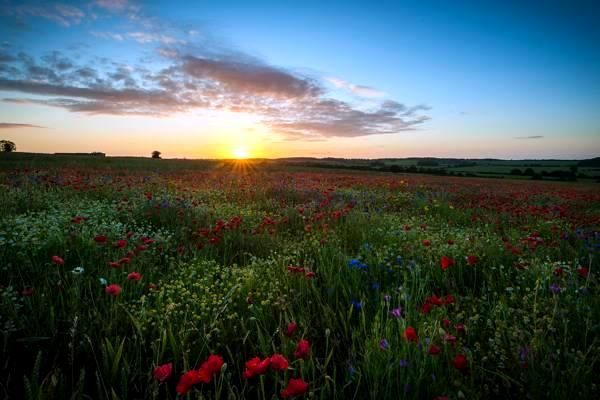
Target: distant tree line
x: 592, y: 162
x: 381, y: 167
x: 572, y: 174
x: 564, y: 175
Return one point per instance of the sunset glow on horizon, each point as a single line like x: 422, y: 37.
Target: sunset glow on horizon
x: 268, y: 80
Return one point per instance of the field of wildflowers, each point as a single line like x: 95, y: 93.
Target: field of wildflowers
x: 233, y: 284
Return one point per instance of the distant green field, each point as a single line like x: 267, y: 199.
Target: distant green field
x: 32, y: 160
x: 482, y: 168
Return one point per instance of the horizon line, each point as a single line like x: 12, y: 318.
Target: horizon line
x: 104, y: 155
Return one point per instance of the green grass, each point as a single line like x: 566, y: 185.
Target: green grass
x: 215, y: 280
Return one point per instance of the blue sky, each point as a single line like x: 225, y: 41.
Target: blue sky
x: 365, y: 79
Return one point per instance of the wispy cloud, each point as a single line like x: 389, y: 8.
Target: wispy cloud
x: 528, y: 137
x: 140, y: 37
x: 292, y: 104
x: 359, y: 90
x: 108, y: 35
x: 61, y: 14
x: 245, y: 76
x: 187, y: 72
x: 145, y: 37
x: 11, y: 125
x: 113, y: 5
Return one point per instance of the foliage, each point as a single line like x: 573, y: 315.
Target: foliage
x: 6, y: 146
x: 121, y: 283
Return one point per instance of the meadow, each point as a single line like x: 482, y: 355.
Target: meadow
x: 232, y: 281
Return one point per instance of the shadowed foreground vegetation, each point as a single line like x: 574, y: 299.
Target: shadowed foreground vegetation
x: 120, y: 277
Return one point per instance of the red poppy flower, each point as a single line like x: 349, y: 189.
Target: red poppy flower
x: 450, y: 339
x: 426, y: 243
x: 114, y: 264
x: 449, y: 299
x: 120, y: 243
x: 100, y: 239
x: 583, y: 272
x: 279, y: 362
x: 113, y: 289
x: 291, y: 328
x: 434, y: 300
x: 310, y: 274
x: 410, y: 334
x: 434, y: 350
x: 460, y: 362
x: 189, y: 379
x: 446, y: 262
x: 213, y: 364
x: 425, y: 308
x: 255, y: 366
x: 57, y: 260
x: 472, y: 260
x: 302, y: 349
x: 295, y: 387
x: 446, y: 322
x: 460, y: 328
x: 163, y: 372
x: 134, y: 276
x: 27, y: 291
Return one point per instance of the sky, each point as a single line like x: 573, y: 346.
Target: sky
x: 221, y: 79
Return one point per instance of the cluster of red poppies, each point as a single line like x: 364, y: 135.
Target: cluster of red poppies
x: 435, y: 301
x: 205, y: 374
x: 300, y: 271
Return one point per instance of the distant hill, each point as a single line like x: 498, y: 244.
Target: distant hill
x: 592, y: 162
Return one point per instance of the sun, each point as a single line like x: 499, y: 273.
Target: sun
x: 240, y: 153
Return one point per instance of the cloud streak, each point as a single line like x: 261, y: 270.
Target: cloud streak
x: 358, y: 90
x: 179, y: 76
x: 251, y: 78
x: 11, y: 125
x: 112, y: 5
x: 61, y: 14
x: 528, y: 137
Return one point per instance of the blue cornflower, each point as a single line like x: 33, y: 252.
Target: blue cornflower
x: 383, y: 344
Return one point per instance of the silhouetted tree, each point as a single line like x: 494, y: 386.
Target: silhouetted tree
x: 156, y: 154
x: 6, y: 146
